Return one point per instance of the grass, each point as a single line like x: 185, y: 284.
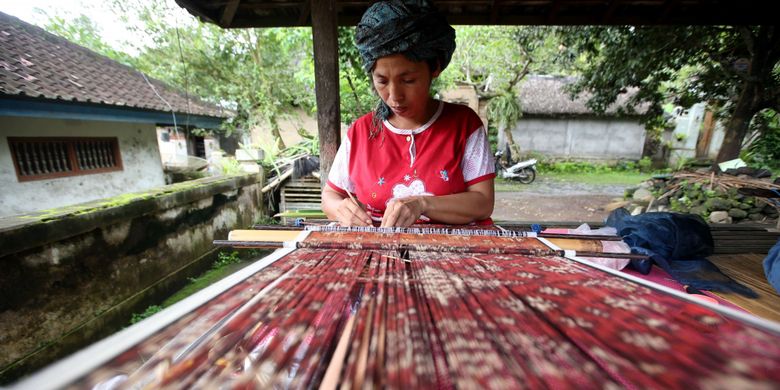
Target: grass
x: 627, y: 178
x: 613, y: 178
x: 226, y: 264
x: 204, y: 280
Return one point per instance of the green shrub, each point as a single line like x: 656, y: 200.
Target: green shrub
x: 764, y: 151
x: 645, y: 164
x: 231, y: 166
x: 226, y: 258
x: 589, y: 167
x: 150, y: 311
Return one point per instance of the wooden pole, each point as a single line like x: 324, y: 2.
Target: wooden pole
x: 326, y: 81
x: 705, y: 137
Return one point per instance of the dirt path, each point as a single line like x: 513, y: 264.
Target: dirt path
x: 550, y: 200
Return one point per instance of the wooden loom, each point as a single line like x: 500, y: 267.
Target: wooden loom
x: 404, y: 308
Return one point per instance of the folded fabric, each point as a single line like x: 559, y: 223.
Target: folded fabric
x: 772, y: 266
x: 606, y: 246
x: 678, y: 243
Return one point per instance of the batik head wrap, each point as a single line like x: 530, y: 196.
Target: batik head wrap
x: 413, y: 28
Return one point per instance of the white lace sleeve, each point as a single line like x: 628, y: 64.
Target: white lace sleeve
x: 339, y: 171
x: 477, y: 161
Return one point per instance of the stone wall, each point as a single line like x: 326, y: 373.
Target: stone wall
x: 75, y: 275
x: 581, y: 137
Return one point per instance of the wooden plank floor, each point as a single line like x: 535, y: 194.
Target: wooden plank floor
x: 748, y: 270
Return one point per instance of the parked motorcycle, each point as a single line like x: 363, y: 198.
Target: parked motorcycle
x: 523, y: 171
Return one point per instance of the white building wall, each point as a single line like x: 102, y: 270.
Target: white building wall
x: 173, y: 146
x: 686, y: 133
x: 718, y: 133
x: 137, y: 145
x: 581, y: 138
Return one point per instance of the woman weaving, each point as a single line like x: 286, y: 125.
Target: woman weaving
x: 414, y: 159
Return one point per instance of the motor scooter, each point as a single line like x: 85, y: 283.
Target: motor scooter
x: 523, y: 171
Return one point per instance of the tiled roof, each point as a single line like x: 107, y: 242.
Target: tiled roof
x: 545, y: 95
x: 37, y: 64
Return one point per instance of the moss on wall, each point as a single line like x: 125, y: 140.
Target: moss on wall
x: 72, y: 275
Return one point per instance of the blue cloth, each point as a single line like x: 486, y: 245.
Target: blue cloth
x: 678, y: 243
x: 772, y: 266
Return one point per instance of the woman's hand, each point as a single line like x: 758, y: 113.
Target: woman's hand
x: 403, y: 212
x: 339, y: 207
x: 352, y: 213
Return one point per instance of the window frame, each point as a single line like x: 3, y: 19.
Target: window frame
x: 70, y: 143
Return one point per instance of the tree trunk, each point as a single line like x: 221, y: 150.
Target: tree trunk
x: 510, y: 141
x: 277, y: 136
x: 737, y: 127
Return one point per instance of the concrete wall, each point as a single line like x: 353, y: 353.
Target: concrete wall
x: 72, y: 277
x: 581, y: 137
x: 466, y: 95
x: 137, y: 145
x: 718, y: 133
x: 174, y: 150
x: 686, y: 133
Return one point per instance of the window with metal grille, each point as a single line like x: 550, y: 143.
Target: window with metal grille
x: 46, y: 157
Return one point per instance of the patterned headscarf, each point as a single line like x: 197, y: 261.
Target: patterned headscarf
x: 413, y: 28
x: 410, y: 27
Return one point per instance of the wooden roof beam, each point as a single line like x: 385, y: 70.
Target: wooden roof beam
x: 493, y: 11
x: 610, y: 13
x: 305, y: 12
x: 668, y: 9
x: 554, y: 7
x: 229, y: 13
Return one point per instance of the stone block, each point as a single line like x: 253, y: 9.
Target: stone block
x: 717, y: 204
x: 720, y: 217
x: 737, y: 213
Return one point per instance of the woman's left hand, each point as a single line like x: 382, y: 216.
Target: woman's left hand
x: 403, y: 212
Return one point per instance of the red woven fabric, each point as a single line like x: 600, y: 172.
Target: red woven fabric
x: 443, y: 321
x: 425, y: 242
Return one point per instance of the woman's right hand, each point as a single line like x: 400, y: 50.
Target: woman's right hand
x: 352, y: 213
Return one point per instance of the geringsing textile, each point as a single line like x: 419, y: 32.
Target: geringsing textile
x: 363, y: 318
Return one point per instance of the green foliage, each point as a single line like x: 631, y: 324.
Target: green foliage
x: 309, y: 145
x: 225, y: 259
x: 496, y: 58
x: 687, y: 64
x: 275, y: 157
x: 623, y: 178
x: 505, y: 110
x: 266, y: 220
x: 218, y: 271
x: 645, y: 164
x: 764, y: 150
x: 261, y: 73
x: 355, y: 90
x: 587, y: 167
x: 230, y: 166
x: 83, y: 31
x: 150, y: 311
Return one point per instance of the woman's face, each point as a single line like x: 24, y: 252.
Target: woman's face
x: 404, y: 85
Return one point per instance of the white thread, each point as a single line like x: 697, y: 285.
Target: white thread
x: 397, y: 230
